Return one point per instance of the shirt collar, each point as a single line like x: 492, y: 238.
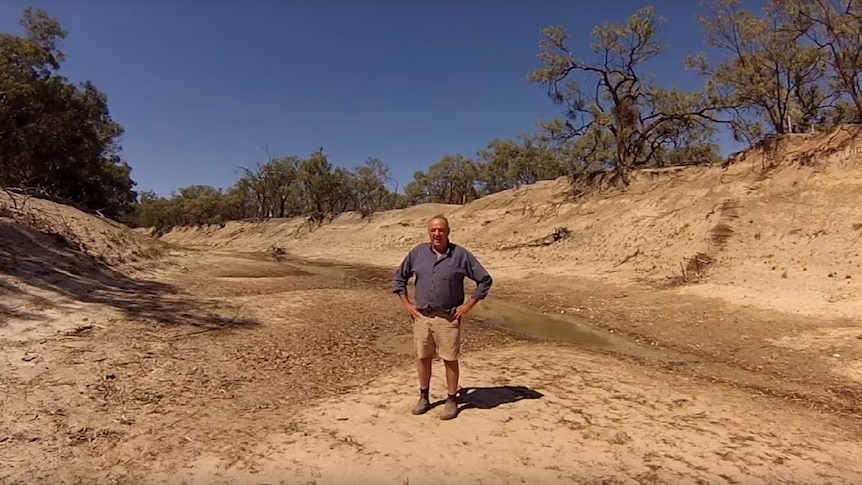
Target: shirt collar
x: 449, y: 248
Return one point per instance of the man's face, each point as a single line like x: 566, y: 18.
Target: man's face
x: 438, y: 231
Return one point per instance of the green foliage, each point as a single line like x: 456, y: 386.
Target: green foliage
x: 793, y: 68
x: 281, y: 187
x: 615, y: 114
x: 834, y: 28
x: 507, y: 164
x: 57, y: 139
x: 767, y: 77
x: 452, y: 180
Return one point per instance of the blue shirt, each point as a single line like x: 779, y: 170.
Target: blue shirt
x: 440, y: 282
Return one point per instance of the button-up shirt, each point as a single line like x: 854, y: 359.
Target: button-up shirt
x: 440, y: 280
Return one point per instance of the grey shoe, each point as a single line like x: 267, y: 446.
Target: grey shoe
x: 421, y: 407
x: 450, y: 409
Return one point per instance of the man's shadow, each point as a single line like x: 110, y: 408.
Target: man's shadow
x: 491, y: 397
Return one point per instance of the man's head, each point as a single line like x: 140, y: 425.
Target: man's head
x: 438, y: 232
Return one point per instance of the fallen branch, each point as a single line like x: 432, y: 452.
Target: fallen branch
x: 211, y: 329
x: 197, y: 332
x: 559, y: 234
x: 629, y: 257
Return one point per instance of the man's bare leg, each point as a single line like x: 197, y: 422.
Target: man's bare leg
x: 453, y: 372
x: 450, y: 409
x: 423, y: 369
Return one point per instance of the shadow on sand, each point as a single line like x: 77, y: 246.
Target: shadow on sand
x: 51, y: 264
x: 491, y: 397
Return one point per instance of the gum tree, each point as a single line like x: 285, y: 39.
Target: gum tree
x: 613, y: 108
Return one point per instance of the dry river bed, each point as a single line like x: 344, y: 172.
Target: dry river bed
x: 291, y: 372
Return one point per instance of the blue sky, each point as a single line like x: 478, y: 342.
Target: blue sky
x: 201, y: 87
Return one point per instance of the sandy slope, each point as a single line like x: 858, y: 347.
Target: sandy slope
x: 785, y: 237
x: 55, y: 259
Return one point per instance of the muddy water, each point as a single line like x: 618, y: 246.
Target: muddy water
x: 523, y: 320
x: 574, y: 330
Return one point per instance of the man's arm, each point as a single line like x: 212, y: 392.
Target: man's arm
x: 400, y: 279
x: 476, y: 272
x: 402, y: 276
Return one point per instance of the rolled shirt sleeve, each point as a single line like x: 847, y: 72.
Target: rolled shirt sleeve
x: 402, y: 275
x: 476, y: 272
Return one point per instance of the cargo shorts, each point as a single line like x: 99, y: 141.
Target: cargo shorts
x: 437, y: 334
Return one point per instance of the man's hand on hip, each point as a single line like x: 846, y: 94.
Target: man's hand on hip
x: 411, y: 310
x: 464, y: 309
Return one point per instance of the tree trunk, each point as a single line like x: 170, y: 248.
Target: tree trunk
x: 624, y: 162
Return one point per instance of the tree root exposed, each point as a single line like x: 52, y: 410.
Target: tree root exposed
x: 559, y: 234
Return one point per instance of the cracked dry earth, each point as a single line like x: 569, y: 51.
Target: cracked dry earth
x: 316, y: 386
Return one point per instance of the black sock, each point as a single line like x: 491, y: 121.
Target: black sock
x: 453, y: 397
x: 423, y: 393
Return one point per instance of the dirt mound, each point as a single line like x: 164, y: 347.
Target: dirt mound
x: 775, y: 226
x: 103, y: 239
x: 53, y: 256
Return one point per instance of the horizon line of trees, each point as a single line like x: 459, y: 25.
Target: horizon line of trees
x: 793, y: 67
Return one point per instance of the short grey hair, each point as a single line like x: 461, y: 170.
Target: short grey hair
x: 439, y: 217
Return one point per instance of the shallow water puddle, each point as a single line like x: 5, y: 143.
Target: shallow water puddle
x: 551, y: 327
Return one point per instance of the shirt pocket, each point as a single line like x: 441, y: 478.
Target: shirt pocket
x: 451, y: 278
x: 452, y: 271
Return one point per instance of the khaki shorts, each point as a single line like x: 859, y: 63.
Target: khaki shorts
x: 436, y: 335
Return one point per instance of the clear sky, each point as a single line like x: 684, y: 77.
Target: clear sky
x: 203, y: 86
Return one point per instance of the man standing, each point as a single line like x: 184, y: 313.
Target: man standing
x: 440, y: 268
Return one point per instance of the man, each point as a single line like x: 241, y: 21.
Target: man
x: 440, y: 268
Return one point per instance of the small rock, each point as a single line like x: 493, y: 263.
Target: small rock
x: 836, y: 355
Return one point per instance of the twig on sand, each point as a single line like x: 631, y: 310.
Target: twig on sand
x: 211, y: 329
x: 197, y: 332
x: 164, y: 427
x: 629, y: 257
